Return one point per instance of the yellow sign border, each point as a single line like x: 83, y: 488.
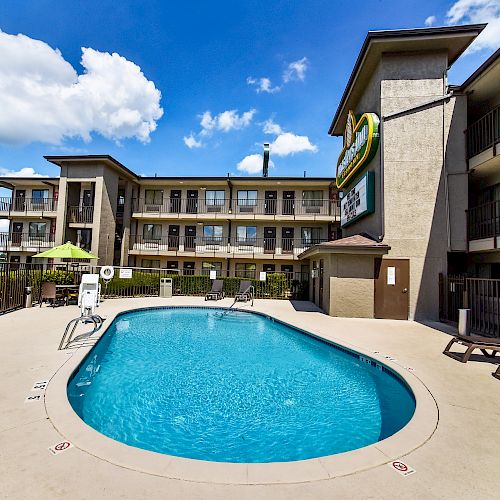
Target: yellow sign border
x: 359, y: 163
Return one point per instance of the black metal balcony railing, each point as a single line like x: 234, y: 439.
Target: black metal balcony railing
x: 484, y: 133
x: 276, y: 207
x: 484, y: 221
x: 222, y: 245
x: 20, y: 241
x: 80, y: 215
x: 28, y: 204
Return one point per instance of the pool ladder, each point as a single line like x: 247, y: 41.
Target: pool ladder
x: 249, y: 291
x: 91, y: 318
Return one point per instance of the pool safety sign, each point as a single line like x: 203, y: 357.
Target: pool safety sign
x: 60, y: 447
x: 402, y: 468
x: 359, y: 201
x: 361, y: 139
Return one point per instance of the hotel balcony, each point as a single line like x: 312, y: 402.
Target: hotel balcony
x: 25, y: 242
x: 222, y: 247
x: 264, y: 209
x: 484, y: 227
x: 30, y: 207
x: 80, y: 215
x: 483, y: 139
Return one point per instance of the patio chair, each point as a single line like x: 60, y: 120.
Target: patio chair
x: 216, y: 292
x: 473, y: 342
x: 496, y: 373
x: 244, y: 292
x: 49, y: 292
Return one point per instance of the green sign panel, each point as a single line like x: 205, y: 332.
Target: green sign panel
x: 361, y: 138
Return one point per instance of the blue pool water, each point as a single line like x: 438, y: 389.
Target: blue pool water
x: 237, y: 388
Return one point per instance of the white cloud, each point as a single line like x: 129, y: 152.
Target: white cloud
x: 252, y: 164
x: 296, y: 70
x: 225, y: 121
x: 430, y: 21
x: 42, y: 97
x: 23, y: 172
x: 263, y: 85
x: 289, y: 144
x: 191, y: 142
x: 271, y: 128
x: 4, y: 225
x: 478, y: 11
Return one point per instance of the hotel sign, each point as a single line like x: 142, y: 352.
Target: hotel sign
x: 359, y: 201
x: 361, y: 138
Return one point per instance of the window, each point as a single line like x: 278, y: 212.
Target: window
x: 151, y: 263
x: 245, y: 270
x: 151, y: 231
x: 206, y: 267
x: 153, y: 196
x: 247, y: 235
x: 311, y: 235
x: 215, y: 198
x: 212, y: 235
x: 40, y: 194
x: 287, y: 268
x: 40, y: 197
x: 269, y: 268
x: 312, y: 198
x: 247, y: 198
x: 37, y: 229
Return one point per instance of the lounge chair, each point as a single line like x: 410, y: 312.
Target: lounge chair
x: 49, y: 292
x: 473, y: 342
x: 244, y: 292
x: 496, y: 373
x: 216, y: 292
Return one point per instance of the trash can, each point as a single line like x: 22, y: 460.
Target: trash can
x: 463, y: 321
x: 28, y: 297
x: 166, y: 287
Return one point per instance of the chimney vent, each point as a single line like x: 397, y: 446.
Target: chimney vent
x: 265, y: 166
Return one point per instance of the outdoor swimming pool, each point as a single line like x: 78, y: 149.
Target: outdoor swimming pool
x: 239, y: 387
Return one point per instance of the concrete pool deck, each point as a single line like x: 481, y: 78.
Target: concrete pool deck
x: 459, y: 458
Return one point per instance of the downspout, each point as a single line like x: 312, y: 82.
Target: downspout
x: 445, y: 170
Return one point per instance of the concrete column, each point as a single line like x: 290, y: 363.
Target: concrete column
x: 61, y: 211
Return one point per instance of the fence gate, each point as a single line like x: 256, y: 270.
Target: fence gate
x: 481, y: 296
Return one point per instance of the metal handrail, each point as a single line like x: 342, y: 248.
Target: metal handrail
x: 21, y: 204
x: 258, y: 206
x: 94, y: 318
x: 483, y: 133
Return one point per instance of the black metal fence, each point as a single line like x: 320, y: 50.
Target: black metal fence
x: 484, y: 133
x: 480, y: 295
x: 15, y: 277
x: 139, y: 282
x: 145, y: 282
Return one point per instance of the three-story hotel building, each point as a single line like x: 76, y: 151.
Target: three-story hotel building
x: 237, y: 226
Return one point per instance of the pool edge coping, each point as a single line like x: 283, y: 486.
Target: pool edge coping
x: 413, y: 435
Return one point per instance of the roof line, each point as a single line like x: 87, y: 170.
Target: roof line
x: 479, y: 71
x: 59, y: 158
x: 394, y: 34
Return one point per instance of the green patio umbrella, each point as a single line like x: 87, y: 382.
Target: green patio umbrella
x: 66, y: 251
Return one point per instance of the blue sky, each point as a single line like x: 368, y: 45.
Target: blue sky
x: 203, y: 57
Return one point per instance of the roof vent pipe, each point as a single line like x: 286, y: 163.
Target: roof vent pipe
x: 265, y: 166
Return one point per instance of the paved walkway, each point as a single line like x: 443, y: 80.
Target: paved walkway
x: 460, y: 460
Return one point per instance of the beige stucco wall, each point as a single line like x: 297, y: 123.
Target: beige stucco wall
x: 421, y: 159
x: 351, y: 286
